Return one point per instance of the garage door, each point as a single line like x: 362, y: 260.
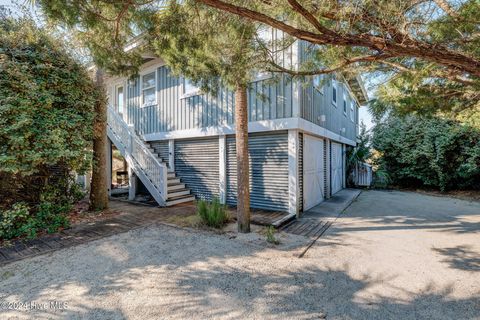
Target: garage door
x: 313, y: 171
x: 337, y: 167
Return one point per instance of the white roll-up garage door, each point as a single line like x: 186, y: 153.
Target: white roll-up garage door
x: 337, y: 167
x: 313, y: 171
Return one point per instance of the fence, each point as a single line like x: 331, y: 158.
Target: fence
x: 362, y: 174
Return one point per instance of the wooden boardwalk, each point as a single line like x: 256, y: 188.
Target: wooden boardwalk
x: 129, y: 217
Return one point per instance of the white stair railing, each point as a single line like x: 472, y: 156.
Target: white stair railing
x: 144, y: 162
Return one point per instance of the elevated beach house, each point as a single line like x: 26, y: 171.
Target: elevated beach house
x: 179, y: 143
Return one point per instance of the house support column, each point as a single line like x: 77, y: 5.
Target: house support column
x: 328, y: 169
x: 293, y: 183
x: 222, y: 165
x: 132, y: 184
x: 171, y: 154
x: 109, y: 167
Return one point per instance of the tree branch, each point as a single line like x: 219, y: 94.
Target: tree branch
x: 430, y: 52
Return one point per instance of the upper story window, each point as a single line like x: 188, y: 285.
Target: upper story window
x: 149, y: 96
x: 119, y: 99
x: 189, y: 89
x: 334, y: 92
x: 345, y: 104
x: 318, y: 83
x: 352, y: 111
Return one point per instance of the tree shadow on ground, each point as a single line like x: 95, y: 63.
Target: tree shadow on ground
x: 460, y: 257
x: 167, y: 272
x: 412, y: 211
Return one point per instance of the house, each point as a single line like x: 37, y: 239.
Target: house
x: 180, y: 143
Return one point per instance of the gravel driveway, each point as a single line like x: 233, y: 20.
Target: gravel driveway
x: 393, y: 255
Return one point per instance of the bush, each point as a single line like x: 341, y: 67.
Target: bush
x: 213, y: 214
x: 428, y: 152
x: 13, y: 220
x: 46, y: 128
x: 49, y: 215
x: 270, y: 233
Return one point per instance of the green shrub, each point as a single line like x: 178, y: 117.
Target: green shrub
x: 12, y: 220
x: 428, y: 152
x: 22, y: 221
x: 270, y: 233
x: 213, y: 214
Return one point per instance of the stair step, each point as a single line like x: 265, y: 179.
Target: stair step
x: 171, y: 175
x: 178, y: 200
x: 175, y: 187
x: 173, y: 181
x: 177, y: 193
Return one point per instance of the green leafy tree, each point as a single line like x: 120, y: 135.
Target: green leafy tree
x: 430, y: 50
x: 46, y: 102
x: 207, y: 46
x: 46, y: 116
x: 428, y: 152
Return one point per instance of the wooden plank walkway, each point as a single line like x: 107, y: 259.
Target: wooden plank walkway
x: 129, y: 217
x: 308, y: 227
x: 262, y: 217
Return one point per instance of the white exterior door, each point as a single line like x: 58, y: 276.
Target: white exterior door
x: 337, y: 167
x: 313, y: 171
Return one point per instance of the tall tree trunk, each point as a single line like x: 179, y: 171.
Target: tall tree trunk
x: 98, y: 188
x: 243, y: 185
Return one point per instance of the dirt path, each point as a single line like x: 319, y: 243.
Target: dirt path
x: 394, y: 255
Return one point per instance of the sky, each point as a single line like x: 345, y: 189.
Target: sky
x: 364, y: 116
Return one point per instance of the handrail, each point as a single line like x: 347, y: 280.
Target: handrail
x: 155, y: 170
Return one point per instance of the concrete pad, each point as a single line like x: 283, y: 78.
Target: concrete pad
x: 333, y: 207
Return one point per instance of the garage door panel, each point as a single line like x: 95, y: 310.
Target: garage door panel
x: 337, y: 167
x: 313, y: 179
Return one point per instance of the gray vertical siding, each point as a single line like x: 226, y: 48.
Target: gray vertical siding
x: 161, y: 148
x: 300, y: 170
x: 268, y: 155
x: 196, y: 164
x: 267, y: 99
x: 314, y: 104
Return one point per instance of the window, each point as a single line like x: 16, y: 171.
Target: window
x: 352, y: 111
x: 148, y: 89
x: 334, y: 92
x: 119, y: 103
x: 318, y: 83
x: 189, y: 89
x: 344, y: 104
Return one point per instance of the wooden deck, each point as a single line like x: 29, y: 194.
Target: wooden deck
x: 308, y: 228
x: 261, y: 217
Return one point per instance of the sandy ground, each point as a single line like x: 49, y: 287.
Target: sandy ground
x: 393, y: 255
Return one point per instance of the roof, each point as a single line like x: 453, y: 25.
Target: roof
x: 356, y: 84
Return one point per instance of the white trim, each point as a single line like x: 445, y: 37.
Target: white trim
x: 192, y: 93
x: 293, y: 187
x: 352, y: 110
x: 145, y: 72
x: 262, y: 75
x: 257, y: 126
x: 222, y: 167
x: 335, y: 86
x: 344, y: 104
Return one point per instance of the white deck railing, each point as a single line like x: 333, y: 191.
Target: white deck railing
x: 363, y: 174
x: 143, y: 161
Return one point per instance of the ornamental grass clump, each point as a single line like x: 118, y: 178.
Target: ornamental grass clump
x: 213, y: 214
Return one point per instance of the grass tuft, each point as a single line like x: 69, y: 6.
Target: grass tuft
x: 213, y: 214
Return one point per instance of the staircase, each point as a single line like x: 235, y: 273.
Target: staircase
x: 163, y: 184
x: 177, y: 192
